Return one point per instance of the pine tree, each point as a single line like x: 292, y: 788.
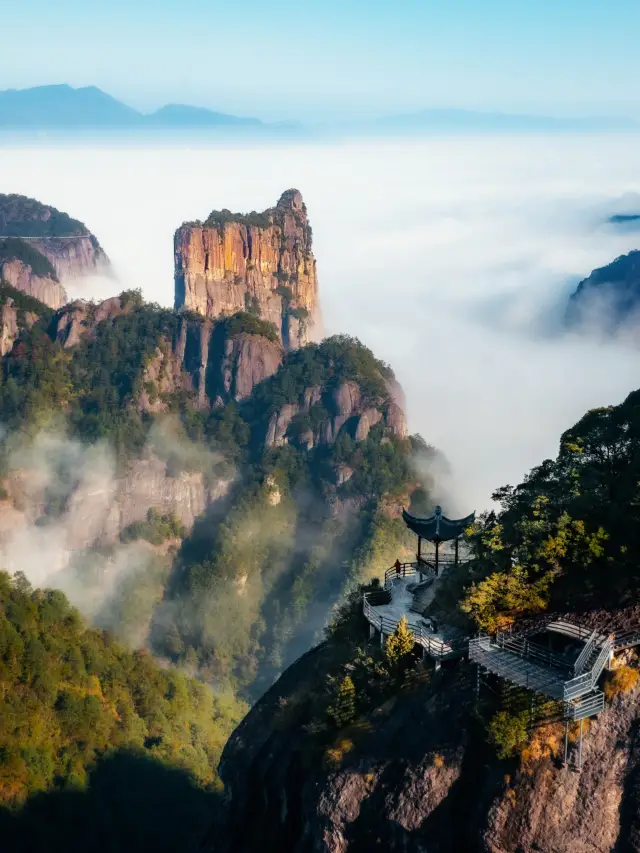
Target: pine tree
x: 399, y: 645
x: 343, y: 709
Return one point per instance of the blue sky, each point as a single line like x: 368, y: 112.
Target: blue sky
x: 329, y: 58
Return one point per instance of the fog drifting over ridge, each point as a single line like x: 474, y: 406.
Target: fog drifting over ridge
x: 452, y: 258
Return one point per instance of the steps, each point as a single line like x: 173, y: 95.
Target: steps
x: 422, y: 595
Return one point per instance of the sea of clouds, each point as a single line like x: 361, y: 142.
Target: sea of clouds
x: 452, y: 258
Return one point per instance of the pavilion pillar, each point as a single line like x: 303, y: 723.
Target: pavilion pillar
x: 419, y: 548
x: 456, y: 557
x: 372, y: 632
x: 437, y: 544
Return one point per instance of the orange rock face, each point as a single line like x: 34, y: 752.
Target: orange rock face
x: 260, y: 262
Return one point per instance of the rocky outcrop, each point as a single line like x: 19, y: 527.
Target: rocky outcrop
x: 418, y: 776
x: 248, y: 360
x: 66, y: 243
x: 100, y: 505
x: 42, y: 287
x: 74, y: 257
x: 80, y: 318
x: 11, y: 323
x: 337, y: 409
x: 608, y: 301
x: 262, y: 262
x: 213, y: 364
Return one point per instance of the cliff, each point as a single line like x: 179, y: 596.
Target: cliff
x: 73, y: 257
x: 608, y: 300
x: 417, y: 775
x: 260, y: 262
x: 103, y: 502
x: 214, y: 362
x: 41, y: 248
x: 26, y: 269
x: 343, y: 407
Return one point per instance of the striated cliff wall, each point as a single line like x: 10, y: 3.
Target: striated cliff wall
x: 419, y: 777
x: 73, y: 257
x: 41, y: 248
x: 258, y: 262
x: 202, y: 358
x: 12, y: 321
x: 343, y: 407
x: 21, y: 275
x: 101, y: 505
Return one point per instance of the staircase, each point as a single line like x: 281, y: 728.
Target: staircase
x: 422, y: 596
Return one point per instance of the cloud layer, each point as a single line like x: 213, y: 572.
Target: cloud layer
x: 451, y: 258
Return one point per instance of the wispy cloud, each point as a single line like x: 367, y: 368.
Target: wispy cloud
x: 451, y: 258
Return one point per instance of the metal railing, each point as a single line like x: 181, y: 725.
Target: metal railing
x: 434, y: 646
x: 525, y: 648
x: 481, y: 649
x: 407, y: 570
x: 585, y: 654
x: 586, y: 706
x: 626, y: 639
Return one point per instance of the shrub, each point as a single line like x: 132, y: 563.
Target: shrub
x: 156, y: 529
x: 219, y: 218
x: 334, y: 755
x: 621, y: 680
x: 250, y: 324
x: 508, y: 732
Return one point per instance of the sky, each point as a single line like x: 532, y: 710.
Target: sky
x: 330, y: 59
x: 451, y: 258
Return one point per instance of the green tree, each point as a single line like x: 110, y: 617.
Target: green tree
x: 508, y: 732
x: 399, y: 646
x: 343, y: 708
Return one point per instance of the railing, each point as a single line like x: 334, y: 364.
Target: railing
x: 407, y: 570
x: 421, y: 566
x: 587, y: 706
x: 524, y: 648
x: 626, y: 639
x: 434, y: 647
x: 585, y: 654
x: 572, y: 688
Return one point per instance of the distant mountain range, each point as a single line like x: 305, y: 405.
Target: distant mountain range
x: 451, y: 120
x: 62, y: 108
x: 59, y: 108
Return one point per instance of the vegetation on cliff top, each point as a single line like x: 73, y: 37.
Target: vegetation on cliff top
x: 247, y: 323
x: 21, y: 216
x: 567, y: 538
x: 24, y: 303
x: 14, y: 249
x: 220, y: 218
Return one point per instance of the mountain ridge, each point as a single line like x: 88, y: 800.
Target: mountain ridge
x: 63, y: 107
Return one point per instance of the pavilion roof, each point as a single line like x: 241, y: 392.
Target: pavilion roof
x: 437, y: 527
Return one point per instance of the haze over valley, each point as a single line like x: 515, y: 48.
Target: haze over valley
x: 453, y: 259
x: 319, y: 427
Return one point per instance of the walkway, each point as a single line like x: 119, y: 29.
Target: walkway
x: 446, y: 642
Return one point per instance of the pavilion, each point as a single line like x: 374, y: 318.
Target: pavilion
x: 437, y: 528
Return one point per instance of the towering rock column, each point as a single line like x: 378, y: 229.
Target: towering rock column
x: 257, y: 262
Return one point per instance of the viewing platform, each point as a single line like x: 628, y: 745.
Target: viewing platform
x: 570, y: 676
x: 409, y: 588
x: 407, y: 593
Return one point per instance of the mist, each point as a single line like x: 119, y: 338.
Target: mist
x: 451, y: 258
